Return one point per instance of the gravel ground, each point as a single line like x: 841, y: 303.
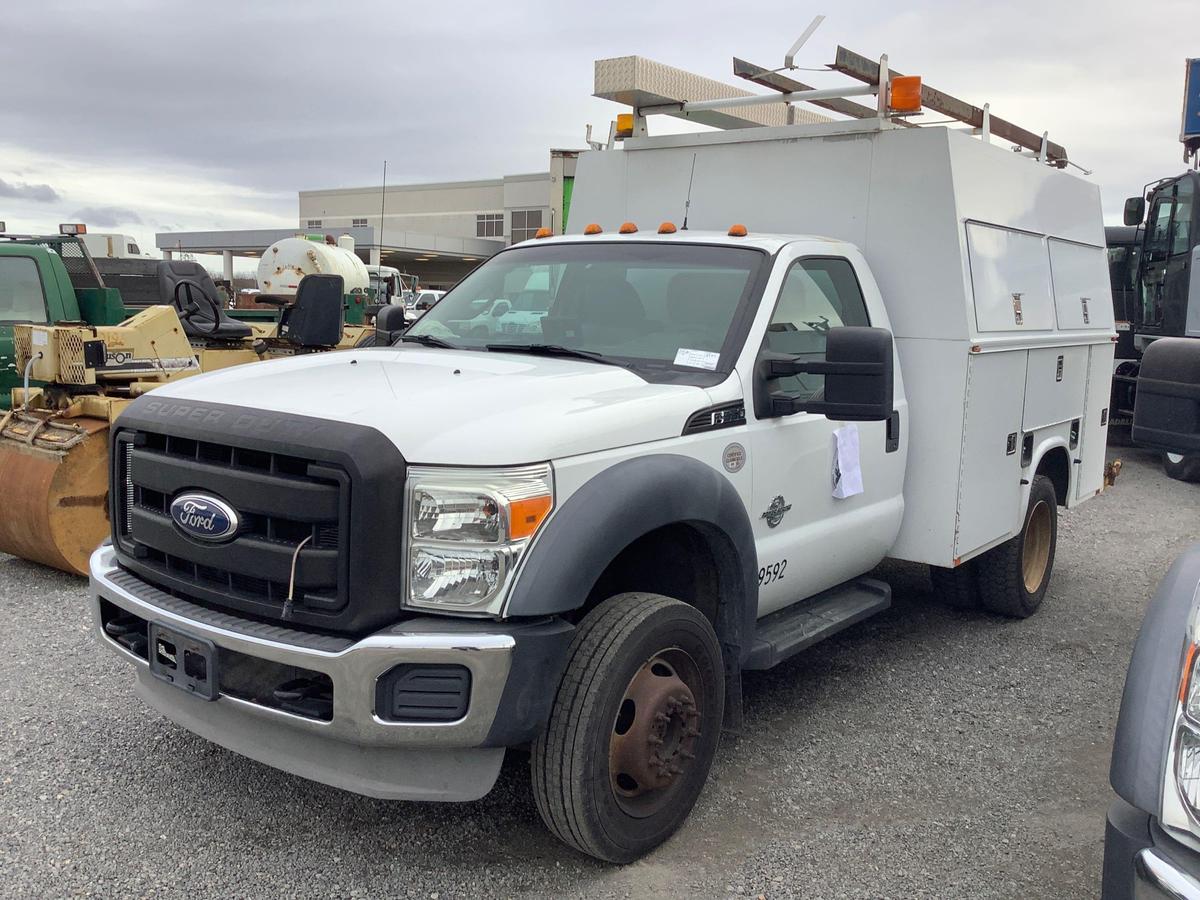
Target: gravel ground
x: 924, y: 753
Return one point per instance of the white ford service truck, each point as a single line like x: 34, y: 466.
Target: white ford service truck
x: 869, y: 341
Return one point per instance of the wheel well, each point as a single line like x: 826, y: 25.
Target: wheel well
x: 680, y: 560
x: 1056, y: 465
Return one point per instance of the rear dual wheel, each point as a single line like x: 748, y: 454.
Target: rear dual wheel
x: 633, y: 727
x: 1010, y: 579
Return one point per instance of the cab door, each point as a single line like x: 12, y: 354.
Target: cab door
x: 809, y: 535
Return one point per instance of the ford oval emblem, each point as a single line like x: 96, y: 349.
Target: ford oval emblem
x: 204, y: 518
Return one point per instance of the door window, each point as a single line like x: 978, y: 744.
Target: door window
x: 1181, y: 222
x: 817, y: 294
x: 21, y: 297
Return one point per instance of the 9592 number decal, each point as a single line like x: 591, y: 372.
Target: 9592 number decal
x: 771, y: 572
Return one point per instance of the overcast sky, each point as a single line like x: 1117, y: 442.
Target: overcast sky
x: 142, y: 116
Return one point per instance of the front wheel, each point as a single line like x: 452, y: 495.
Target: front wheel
x: 1181, y: 468
x: 633, y: 728
x: 1014, y: 576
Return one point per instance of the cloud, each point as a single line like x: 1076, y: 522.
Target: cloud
x: 228, y: 146
x: 18, y: 190
x: 108, y: 216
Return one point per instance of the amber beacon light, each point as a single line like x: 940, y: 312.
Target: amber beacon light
x: 905, y: 93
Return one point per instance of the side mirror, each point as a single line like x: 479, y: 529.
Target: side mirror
x: 858, y: 378
x: 1166, y: 410
x: 1135, y: 210
x: 390, y: 323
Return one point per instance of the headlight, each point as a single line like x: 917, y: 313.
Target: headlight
x: 467, y: 531
x: 1181, y: 795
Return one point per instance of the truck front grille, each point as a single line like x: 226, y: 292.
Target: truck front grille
x: 291, y: 509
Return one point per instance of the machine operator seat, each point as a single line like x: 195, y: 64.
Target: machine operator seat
x: 199, y: 322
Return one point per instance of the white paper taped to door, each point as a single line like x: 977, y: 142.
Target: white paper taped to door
x: 847, y: 473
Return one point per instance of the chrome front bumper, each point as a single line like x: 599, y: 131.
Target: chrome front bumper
x: 355, y: 750
x: 1158, y: 878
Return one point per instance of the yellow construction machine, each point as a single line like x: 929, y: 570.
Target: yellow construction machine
x: 54, y: 449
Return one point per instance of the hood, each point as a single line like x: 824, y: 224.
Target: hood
x: 460, y: 407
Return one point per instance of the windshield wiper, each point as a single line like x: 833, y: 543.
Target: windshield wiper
x: 427, y: 340
x: 553, y: 350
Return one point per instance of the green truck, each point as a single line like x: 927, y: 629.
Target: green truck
x: 44, y: 280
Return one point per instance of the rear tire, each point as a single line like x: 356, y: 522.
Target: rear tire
x: 620, y: 763
x: 1014, y: 576
x: 1182, y: 468
x: 957, y: 587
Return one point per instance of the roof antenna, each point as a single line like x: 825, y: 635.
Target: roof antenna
x: 688, y: 203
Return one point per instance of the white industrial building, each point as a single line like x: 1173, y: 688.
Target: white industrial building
x: 437, y: 231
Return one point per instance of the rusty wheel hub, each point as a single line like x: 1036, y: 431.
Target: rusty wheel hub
x: 654, y: 735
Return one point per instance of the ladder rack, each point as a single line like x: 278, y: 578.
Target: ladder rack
x: 652, y: 88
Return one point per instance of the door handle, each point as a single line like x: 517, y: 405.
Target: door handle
x: 893, y: 432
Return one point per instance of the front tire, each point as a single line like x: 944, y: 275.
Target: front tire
x: 1014, y: 576
x: 633, y: 727
x: 1181, y: 468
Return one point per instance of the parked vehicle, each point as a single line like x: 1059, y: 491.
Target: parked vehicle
x: 686, y: 470
x: 426, y: 300
x: 112, y: 246
x: 1164, y: 284
x: 1152, y: 840
x: 391, y: 286
x: 1124, y: 251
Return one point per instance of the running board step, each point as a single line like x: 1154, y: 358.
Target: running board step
x: 785, y: 633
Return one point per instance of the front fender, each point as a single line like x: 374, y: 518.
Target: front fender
x: 1152, y: 687
x: 623, y: 503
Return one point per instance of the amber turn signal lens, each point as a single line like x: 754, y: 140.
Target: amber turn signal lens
x: 1186, y: 678
x: 666, y: 228
x: 524, y: 516
x: 906, y: 93
x: 592, y: 229
x: 738, y: 231
x: 627, y: 228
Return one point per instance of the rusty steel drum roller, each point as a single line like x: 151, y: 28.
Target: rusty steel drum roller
x: 54, y: 504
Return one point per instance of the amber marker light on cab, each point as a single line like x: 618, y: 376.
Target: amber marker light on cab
x: 666, y: 228
x: 738, y: 231
x: 593, y: 229
x: 627, y: 228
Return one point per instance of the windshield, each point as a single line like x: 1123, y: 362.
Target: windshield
x: 650, y: 303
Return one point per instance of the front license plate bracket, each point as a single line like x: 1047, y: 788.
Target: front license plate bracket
x: 189, y: 663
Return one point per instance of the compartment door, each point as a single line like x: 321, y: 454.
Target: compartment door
x: 1082, y: 290
x: 1093, y: 431
x: 1010, y: 278
x: 1054, y: 388
x: 989, y: 485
